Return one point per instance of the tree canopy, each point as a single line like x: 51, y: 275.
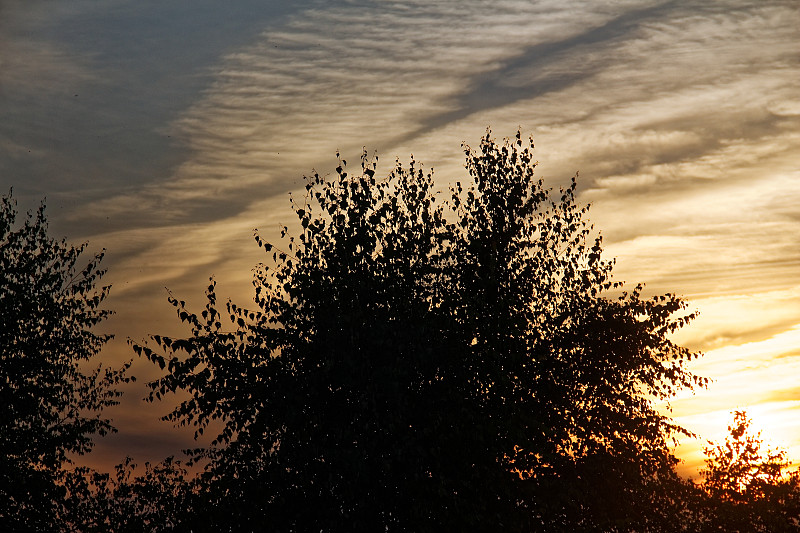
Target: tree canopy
x: 414, y: 364
x: 52, y: 406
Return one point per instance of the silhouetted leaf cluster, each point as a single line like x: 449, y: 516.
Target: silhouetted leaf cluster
x: 51, y: 407
x: 160, y: 499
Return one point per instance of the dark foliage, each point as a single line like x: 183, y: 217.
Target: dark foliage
x: 51, y: 407
x: 571, y: 372
x: 420, y: 366
x: 157, y: 500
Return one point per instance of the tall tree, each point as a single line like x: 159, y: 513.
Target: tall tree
x: 573, y: 363
x: 52, y: 406
x: 425, y: 366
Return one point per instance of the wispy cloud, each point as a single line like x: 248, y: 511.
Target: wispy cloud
x: 347, y: 75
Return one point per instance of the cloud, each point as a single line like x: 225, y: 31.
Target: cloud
x: 88, y: 88
x: 735, y: 319
x: 638, y: 91
x: 343, y: 76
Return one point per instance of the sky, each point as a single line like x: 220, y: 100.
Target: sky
x: 165, y: 132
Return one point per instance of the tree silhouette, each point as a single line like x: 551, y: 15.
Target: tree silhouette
x: 52, y: 408
x: 572, y: 371
x: 415, y: 365
x: 748, y: 485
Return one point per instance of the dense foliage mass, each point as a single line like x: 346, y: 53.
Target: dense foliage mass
x: 415, y: 365
x: 51, y: 407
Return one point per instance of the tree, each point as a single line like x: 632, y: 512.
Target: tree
x: 573, y: 370
x: 748, y: 485
x: 416, y: 365
x: 52, y: 407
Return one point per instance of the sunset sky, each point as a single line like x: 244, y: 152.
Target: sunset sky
x: 165, y: 132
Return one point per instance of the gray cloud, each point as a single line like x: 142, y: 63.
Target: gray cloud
x: 549, y: 66
x: 87, y: 92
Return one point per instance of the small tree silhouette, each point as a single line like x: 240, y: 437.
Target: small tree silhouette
x: 51, y: 406
x: 748, y: 484
x: 742, y: 468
